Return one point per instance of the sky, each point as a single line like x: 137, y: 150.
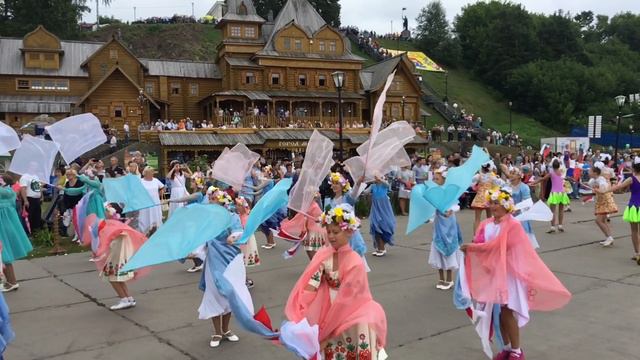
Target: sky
x: 377, y: 15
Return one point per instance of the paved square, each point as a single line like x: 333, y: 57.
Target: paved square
x: 61, y: 310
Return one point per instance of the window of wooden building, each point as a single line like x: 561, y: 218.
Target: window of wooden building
x: 23, y: 85
x: 275, y: 79
x: 62, y: 85
x: 148, y: 88
x: 249, y: 32
x: 321, y: 46
x: 49, y: 84
x: 175, y: 88
x: 302, y: 80
x: 249, y: 77
x: 36, y: 85
x: 287, y: 43
x: 34, y: 56
x: 298, y: 44
x: 113, y: 54
x: 332, y: 46
x: 194, y: 89
x: 322, y: 80
x: 236, y: 31
x: 117, y: 111
x: 49, y: 57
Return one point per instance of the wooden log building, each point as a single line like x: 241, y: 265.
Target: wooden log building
x: 264, y: 70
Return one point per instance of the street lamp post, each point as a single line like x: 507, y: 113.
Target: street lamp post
x: 404, y: 98
x: 620, y: 99
x: 338, y: 80
x: 631, y: 131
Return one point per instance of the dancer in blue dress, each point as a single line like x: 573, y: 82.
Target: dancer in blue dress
x: 266, y: 184
x: 15, y: 243
x: 522, y: 192
x: 382, y: 220
x: 445, y: 254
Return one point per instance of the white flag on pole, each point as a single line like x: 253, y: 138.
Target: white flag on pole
x: 9, y: 140
x: 76, y: 135
x: 34, y: 157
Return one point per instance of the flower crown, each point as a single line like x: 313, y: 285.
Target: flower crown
x: 241, y: 201
x: 503, y: 197
x: 220, y: 196
x: 342, y: 215
x: 337, y: 178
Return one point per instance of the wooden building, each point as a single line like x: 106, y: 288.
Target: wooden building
x: 264, y: 71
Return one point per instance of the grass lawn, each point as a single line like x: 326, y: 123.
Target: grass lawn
x: 356, y: 50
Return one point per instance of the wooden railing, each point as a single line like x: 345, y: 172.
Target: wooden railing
x: 266, y: 121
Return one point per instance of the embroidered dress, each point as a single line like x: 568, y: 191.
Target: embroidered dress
x: 15, y: 243
x: 120, y: 251
x: 178, y: 191
x: 445, y: 251
x: 485, y: 182
x: 250, y: 249
x: 315, y: 232
x: 632, y: 211
x: 352, y: 325
x: 558, y: 196
x: 520, y: 193
x: 382, y: 220
x: 605, y: 204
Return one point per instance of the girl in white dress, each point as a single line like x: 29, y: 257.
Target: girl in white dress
x: 178, y: 175
x: 151, y: 218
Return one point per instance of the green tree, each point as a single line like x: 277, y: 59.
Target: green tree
x: 433, y: 28
x: 496, y: 38
x: 558, y: 36
x: 626, y: 27
x: 58, y: 16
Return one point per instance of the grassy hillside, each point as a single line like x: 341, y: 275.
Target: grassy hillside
x: 476, y: 98
x: 165, y: 41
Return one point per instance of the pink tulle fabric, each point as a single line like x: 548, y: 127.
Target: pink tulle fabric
x: 232, y: 166
x: 108, y: 231
x: 353, y: 305
x: 304, y: 224
x: 487, y: 265
x: 316, y: 166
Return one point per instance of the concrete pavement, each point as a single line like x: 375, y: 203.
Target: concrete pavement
x: 61, y: 310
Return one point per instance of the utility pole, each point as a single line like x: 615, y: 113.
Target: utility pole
x: 134, y: 14
x: 98, y: 12
x: 192, y: 12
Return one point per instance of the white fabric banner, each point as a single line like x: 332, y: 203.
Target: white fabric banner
x: 9, y: 139
x: 34, y: 157
x: 77, y: 135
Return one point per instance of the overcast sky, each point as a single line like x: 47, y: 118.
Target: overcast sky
x: 374, y: 15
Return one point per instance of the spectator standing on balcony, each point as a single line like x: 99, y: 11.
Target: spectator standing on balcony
x: 126, y: 133
x: 189, y: 124
x: 113, y: 143
x: 182, y: 125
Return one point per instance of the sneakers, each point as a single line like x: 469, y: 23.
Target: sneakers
x: 551, y: 230
x: 249, y: 284
x: 7, y: 287
x: 560, y: 228
x: 379, y: 253
x: 216, y: 339
x: 516, y: 356
x: 124, y: 303
x: 502, y: 355
x: 195, y: 268
x: 269, y: 246
x: 444, y: 285
x: 607, y: 242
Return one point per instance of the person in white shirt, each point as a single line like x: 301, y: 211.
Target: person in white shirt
x: 31, y: 192
x: 113, y: 143
x: 126, y: 133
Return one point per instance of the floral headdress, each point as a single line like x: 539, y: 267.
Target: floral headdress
x: 342, y: 215
x: 503, y: 197
x: 241, y: 201
x: 337, y: 178
x: 220, y: 196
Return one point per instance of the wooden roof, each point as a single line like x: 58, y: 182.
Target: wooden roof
x: 106, y: 76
